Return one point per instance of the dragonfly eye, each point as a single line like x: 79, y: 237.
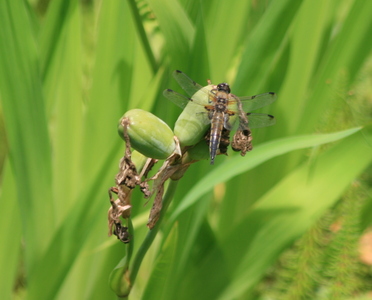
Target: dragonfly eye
x: 224, y: 87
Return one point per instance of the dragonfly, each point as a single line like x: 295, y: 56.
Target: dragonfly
x: 224, y: 110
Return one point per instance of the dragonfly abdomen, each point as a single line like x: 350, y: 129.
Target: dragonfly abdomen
x: 215, y: 136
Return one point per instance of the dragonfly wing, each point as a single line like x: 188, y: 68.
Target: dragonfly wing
x: 257, y: 101
x: 260, y: 120
x: 231, y: 122
x: 187, y: 84
x: 176, y: 98
x: 201, y: 95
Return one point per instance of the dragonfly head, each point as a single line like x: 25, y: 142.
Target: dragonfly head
x: 224, y: 87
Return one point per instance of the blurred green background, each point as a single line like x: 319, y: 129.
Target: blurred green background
x: 288, y: 227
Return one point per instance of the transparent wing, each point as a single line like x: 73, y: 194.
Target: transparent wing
x: 176, y: 98
x: 260, y: 120
x: 257, y: 101
x: 187, y: 84
x: 182, y: 101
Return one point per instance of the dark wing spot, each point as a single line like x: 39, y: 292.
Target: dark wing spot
x: 180, y: 72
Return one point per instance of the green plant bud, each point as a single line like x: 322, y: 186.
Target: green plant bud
x: 118, y: 280
x: 193, y: 122
x: 148, y: 134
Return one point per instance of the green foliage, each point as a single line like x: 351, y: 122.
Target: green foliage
x: 70, y: 69
x: 324, y: 263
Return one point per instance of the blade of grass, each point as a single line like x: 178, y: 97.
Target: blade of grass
x: 190, y: 226
x: 355, y: 34
x: 51, y: 34
x: 230, y: 34
x: 264, y: 152
x: 111, y: 83
x: 63, y: 89
x: 261, y: 47
x: 143, y: 36
x: 177, y: 28
x: 200, y: 64
x: 26, y: 126
x: 75, y: 229
x: 306, y: 45
x: 300, y: 198
x: 136, y: 263
x: 10, y: 233
x: 159, y: 282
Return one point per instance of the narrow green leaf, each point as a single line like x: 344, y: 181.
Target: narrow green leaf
x: 338, y: 59
x: 79, y: 226
x: 305, y: 48
x: 177, y: 28
x: 262, y: 153
x: 263, y: 44
x: 70, y: 70
x: 10, y: 233
x: 26, y: 125
x: 159, y: 281
x: 224, y: 38
x: 143, y: 35
x: 300, y: 199
x: 63, y: 88
x: 111, y: 83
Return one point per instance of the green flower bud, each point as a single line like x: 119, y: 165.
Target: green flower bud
x: 118, y: 280
x: 148, y: 134
x: 193, y: 122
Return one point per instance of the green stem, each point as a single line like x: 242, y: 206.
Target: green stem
x: 133, y: 270
x: 130, y: 245
x: 119, y: 282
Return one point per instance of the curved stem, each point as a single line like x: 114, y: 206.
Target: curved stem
x: 133, y: 270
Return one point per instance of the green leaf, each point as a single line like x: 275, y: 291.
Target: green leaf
x: 305, y: 51
x: 231, y: 34
x: 26, y: 125
x: 263, y: 45
x: 63, y: 86
x: 70, y: 69
x: 338, y: 59
x: 159, y: 282
x: 176, y: 26
x: 260, y: 154
x: 10, y: 233
x: 299, y: 199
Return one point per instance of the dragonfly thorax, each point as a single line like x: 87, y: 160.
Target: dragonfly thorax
x: 220, y: 107
x: 222, y: 99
